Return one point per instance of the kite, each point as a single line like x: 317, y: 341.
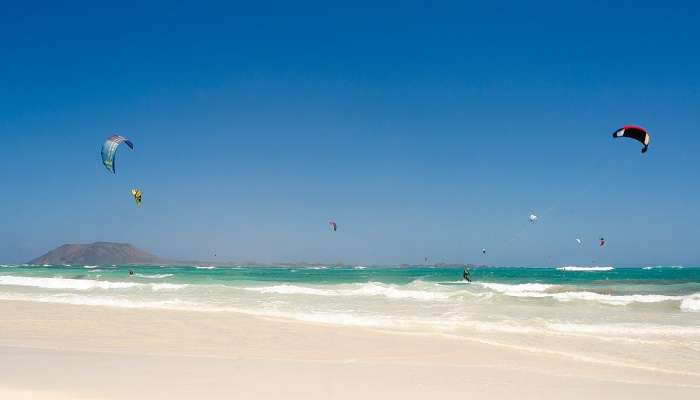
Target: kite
x: 634, y: 132
x: 109, y: 149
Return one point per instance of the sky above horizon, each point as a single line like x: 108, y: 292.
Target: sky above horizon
x: 423, y: 129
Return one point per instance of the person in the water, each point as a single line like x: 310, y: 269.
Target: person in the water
x: 131, y: 272
x: 466, y: 276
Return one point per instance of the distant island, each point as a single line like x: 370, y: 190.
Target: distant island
x: 109, y: 253
x: 98, y: 253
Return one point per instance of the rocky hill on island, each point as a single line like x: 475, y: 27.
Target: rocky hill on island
x: 98, y: 253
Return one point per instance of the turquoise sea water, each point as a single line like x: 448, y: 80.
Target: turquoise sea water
x: 659, y: 279
x: 624, y: 313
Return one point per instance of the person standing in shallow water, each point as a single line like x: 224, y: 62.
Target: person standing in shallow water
x: 466, y: 276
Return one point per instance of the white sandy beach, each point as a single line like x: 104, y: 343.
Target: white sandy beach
x: 54, y: 351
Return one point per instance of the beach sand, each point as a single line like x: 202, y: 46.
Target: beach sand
x: 52, y: 351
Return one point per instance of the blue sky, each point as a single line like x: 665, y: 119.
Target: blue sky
x: 423, y: 129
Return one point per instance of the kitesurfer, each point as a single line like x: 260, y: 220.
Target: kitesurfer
x: 131, y: 272
x: 137, y: 196
x: 465, y: 275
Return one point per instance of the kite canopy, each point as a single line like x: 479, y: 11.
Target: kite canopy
x: 602, y: 241
x: 634, y: 132
x: 333, y: 225
x: 578, y: 240
x: 533, y: 218
x: 109, y: 149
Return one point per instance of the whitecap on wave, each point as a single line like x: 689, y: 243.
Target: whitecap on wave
x: 154, y: 276
x: 585, y: 269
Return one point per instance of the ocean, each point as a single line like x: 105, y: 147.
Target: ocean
x: 647, y: 317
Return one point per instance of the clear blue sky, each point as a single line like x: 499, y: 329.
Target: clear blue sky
x: 423, y: 129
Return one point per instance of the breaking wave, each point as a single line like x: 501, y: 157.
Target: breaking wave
x: 559, y: 293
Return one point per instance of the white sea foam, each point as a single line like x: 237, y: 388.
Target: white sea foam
x: 292, y: 289
x: 167, y: 286
x: 209, y: 267
x: 176, y: 304
x: 89, y: 266
x: 79, y: 299
x: 355, y: 317
x: 331, y: 318
x: 585, y: 269
x: 63, y: 283
x: 691, y: 303
x: 360, y: 267
x: 366, y: 289
x: 80, y: 284
x: 317, y: 268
